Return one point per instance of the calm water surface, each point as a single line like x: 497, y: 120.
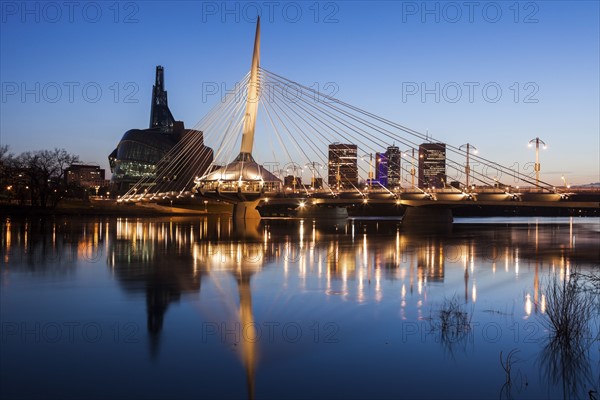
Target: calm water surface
x: 196, y: 308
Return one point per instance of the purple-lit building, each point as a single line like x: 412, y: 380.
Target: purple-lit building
x: 381, y: 168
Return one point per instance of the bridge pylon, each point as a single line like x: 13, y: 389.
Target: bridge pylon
x: 243, y: 182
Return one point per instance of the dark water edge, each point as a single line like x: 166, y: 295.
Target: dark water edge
x: 189, y: 207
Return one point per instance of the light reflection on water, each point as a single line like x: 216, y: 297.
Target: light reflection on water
x: 197, y: 307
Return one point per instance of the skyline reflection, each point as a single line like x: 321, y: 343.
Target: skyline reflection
x: 334, y: 250
x: 170, y: 261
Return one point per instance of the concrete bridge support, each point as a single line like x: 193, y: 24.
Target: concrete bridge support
x: 245, y: 210
x: 427, y: 218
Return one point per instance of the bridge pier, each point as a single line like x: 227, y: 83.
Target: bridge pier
x: 246, y: 210
x: 427, y: 218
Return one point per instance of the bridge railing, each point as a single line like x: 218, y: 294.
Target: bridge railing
x: 277, y: 188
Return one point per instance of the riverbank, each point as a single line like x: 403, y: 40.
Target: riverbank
x: 112, y: 208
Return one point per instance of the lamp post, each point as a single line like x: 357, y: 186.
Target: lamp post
x: 412, y: 169
x: 370, y: 177
x: 467, y: 167
x: 537, y: 142
x: 370, y: 169
x: 565, y: 181
x: 294, y: 169
x: 313, y: 166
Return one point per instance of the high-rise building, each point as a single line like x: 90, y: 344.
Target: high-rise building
x: 394, y: 158
x: 343, y: 167
x: 387, y: 167
x: 381, y: 168
x: 432, y: 165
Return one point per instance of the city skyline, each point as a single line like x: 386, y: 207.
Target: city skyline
x: 429, y: 66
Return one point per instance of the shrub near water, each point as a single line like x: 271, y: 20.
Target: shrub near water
x: 569, y: 309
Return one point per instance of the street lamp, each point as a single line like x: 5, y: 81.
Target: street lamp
x: 468, y: 151
x: 370, y: 179
x: 537, y: 142
x: 413, y: 171
x: 313, y: 166
x: 293, y: 169
x: 565, y: 182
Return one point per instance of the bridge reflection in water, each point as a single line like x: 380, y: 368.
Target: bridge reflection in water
x: 166, y: 258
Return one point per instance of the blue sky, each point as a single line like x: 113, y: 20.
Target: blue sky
x: 102, y: 56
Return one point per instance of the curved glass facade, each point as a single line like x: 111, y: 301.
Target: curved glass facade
x: 138, y: 154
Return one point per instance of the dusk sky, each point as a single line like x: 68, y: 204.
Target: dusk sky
x: 78, y: 75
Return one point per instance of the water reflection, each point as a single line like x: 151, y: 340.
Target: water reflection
x: 358, y: 261
x: 43, y: 246
x: 166, y: 257
x: 153, y: 258
x: 568, y: 366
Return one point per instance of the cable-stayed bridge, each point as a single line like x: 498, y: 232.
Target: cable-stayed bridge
x: 296, y: 125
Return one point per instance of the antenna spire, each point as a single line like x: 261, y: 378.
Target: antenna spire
x: 160, y: 115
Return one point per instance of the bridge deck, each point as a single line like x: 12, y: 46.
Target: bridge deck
x: 439, y: 200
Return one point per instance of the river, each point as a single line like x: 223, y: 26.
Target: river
x: 196, y: 307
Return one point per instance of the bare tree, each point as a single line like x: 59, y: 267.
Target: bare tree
x: 7, y: 166
x: 45, y: 171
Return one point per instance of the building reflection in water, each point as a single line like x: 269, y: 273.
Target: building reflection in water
x: 364, y: 252
x: 46, y: 245
x: 164, y: 258
x: 153, y: 257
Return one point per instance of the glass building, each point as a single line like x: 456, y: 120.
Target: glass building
x: 343, y: 169
x: 388, y: 167
x: 381, y: 168
x: 432, y: 165
x: 394, y: 173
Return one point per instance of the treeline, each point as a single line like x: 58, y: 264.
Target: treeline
x: 35, y: 178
